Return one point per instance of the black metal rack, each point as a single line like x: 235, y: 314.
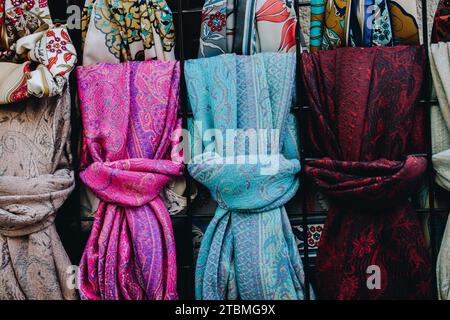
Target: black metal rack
x: 187, y: 17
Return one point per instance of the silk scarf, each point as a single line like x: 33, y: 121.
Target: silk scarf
x: 126, y: 150
x: 363, y: 123
x: 440, y: 67
x: 247, y: 27
x: 248, y: 250
x: 126, y: 30
x: 35, y: 181
x: 36, y: 56
x: 362, y: 23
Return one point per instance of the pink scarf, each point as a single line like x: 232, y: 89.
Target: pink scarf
x: 129, y: 113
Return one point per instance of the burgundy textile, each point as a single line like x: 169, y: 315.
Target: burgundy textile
x: 363, y: 124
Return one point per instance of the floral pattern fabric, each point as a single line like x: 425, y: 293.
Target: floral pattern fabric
x: 117, y: 31
x: 362, y: 23
x: 28, y: 38
x: 127, y: 153
x: 363, y: 125
x: 247, y: 27
x: 248, y: 250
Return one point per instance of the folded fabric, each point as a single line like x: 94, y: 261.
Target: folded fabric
x: 440, y: 69
x: 39, y: 56
x: 249, y: 250
x: 126, y: 150
x: 247, y: 27
x: 21, y: 18
x: 362, y: 125
x: 35, y: 182
x: 441, y: 25
x: 143, y: 45
x: 362, y: 23
x: 118, y: 31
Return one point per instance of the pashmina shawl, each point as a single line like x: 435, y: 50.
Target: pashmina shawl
x: 36, y: 56
x: 362, y: 124
x: 248, y: 250
x: 126, y: 150
x: 441, y: 26
x: 247, y: 27
x: 127, y: 30
x: 35, y: 181
x: 109, y: 19
x: 362, y: 23
x: 440, y: 68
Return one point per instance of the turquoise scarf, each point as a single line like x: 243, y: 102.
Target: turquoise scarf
x: 248, y: 251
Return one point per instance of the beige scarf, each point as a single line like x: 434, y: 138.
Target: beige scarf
x: 34, y: 183
x: 440, y: 67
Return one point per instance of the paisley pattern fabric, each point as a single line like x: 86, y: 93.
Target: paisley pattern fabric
x: 35, y: 180
x: 440, y: 67
x: 247, y: 27
x: 362, y: 123
x: 441, y: 26
x: 108, y: 20
x: 29, y: 38
x: 248, y: 250
x: 127, y: 30
x: 126, y: 151
x: 362, y: 23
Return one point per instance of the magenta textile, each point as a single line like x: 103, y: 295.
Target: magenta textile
x: 129, y: 113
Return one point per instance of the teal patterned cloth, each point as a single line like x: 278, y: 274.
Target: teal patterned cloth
x: 248, y: 250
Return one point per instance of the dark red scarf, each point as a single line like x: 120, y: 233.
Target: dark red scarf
x: 363, y: 124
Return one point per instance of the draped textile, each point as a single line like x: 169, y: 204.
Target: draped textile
x: 362, y: 23
x: 118, y: 31
x: 126, y: 150
x: 35, y: 181
x: 29, y: 38
x: 247, y: 27
x: 362, y: 123
x: 248, y: 250
x: 149, y: 34
x: 441, y: 25
x: 440, y: 68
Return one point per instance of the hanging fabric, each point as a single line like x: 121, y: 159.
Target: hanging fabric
x: 362, y: 23
x: 363, y: 125
x: 247, y: 27
x: 35, y: 153
x: 127, y: 151
x: 35, y: 182
x: 441, y: 27
x: 440, y: 70
x: 440, y: 66
x: 36, y: 57
x: 153, y: 38
x: 249, y: 250
x: 127, y: 30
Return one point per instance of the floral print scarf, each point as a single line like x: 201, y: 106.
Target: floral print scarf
x: 247, y: 27
x: 362, y: 23
x: 127, y: 30
x: 28, y: 38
